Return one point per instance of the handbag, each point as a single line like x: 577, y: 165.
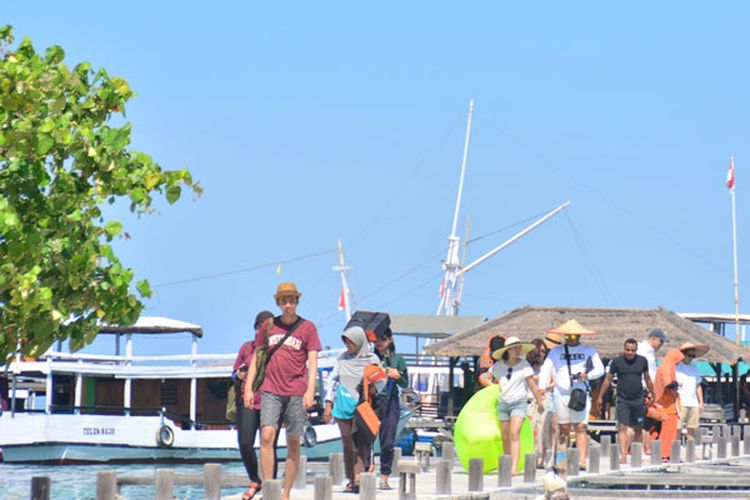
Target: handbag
x: 577, y: 401
x: 263, y: 354
x: 344, y: 405
x: 234, y: 389
x: 366, y: 421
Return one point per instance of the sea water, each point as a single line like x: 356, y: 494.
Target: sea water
x: 78, y: 482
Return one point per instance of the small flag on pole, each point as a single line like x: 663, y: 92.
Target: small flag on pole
x: 278, y: 269
x: 342, y: 300
x: 442, y: 288
x: 730, y: 174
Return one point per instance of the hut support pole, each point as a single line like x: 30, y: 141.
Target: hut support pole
x: 451, y: 383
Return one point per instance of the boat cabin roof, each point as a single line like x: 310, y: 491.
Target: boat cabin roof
x: 154, y: 325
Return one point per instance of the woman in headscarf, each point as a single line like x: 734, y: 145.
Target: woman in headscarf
x: 342, y: 397
x: 666, y: 402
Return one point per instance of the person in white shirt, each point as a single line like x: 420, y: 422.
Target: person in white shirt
x: 648, y: 348
x: 690, y: 390
x: 573, y: 364
x: 515, y: 375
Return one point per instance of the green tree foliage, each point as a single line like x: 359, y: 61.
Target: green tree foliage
x: 61, y: 160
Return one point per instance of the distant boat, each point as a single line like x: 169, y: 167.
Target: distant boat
x: 126, y: 408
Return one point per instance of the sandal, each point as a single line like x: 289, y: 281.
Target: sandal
x: 384, y: 485
x: 352, y: 488
x: 251, y: 491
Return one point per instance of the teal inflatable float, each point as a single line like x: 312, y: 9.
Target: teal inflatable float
x: 477, y: 431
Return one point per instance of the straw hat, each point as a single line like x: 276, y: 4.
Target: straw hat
x: 700, y: 349
x: 572, y: 327
x: 553, y: 340
x: 510, y: 343
x: 286, y: 290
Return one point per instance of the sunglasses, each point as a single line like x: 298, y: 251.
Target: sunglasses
x: 691, y: 356
x: 288, y: 300
x: 510, y: 372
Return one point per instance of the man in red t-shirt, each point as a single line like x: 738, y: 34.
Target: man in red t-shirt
x: 289, y: 384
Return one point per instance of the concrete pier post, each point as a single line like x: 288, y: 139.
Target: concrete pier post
x: 529, y: 468
x: 595, y: 453
x: 655, y: 452
x: 336, y: 467
x: 106, y: 485
x: 40, y: 488
x: 447, y: 450
x: 504, y: 474
x: 164, y: 484
x: 614, y: 458
x: 443, y: 474
x: 675, y: 453
x: 721, y: 449
x: 636, y: 455
x: 212, y: 481
x: 323, y: 488
x: 300, y: 480
x: 476, y: 474
x: 396, y: 458
x: 690, y: 451
x: 606, y: 443
x: 574, y: 462
x: 367, y: 487
x: 272, y: 489
x: 735, y: 445
x: 746, y: 445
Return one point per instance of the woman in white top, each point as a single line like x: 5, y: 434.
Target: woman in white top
x: 515, y: 376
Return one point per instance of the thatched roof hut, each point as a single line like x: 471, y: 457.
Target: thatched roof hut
x: 612, y: 325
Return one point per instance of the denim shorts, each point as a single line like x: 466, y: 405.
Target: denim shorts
x: 512, y: 409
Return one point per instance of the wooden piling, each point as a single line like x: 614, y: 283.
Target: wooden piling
x: 476, y: 474
x: 504, y: 473
x: 655, y: 452
x: 367, y: 487
x: 443, y: 475
x: 272, y: 489
x: 106, y: 485
x: 336, y: 467
x: 323, y: 488
x: 595, y: 453
x: 614, y: 458
x: 164, y: 484
x: 574, y: 462
x: 212, y: 481
x: 675, y: 453
x: 690, y: 451
x: 300, y: 479
x: 40, y: 488
x: 636, y: 455
x: 529, y: 468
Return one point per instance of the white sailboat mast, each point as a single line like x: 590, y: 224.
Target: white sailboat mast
x: 342, y: 268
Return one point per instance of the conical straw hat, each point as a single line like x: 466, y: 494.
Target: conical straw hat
x: 572, y: 327
x: 700, y: 349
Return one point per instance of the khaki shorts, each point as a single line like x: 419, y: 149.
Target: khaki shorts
x: 690, y: 417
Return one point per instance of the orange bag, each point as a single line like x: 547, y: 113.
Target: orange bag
x: 656, y: 412
x: 365, y: 419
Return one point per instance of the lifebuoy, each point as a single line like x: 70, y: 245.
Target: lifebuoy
x: 165, y: 436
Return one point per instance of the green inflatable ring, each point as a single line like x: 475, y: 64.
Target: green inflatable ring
x: 477, y: 431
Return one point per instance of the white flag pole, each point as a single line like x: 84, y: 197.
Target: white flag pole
x: 734, y: 250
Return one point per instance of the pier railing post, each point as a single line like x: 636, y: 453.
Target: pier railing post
x: 367, y: 486
x: 690, y: 451
x: 447, y: 450
x: 443, y: 474
x: 605, y: 443
x: 323, y: 488
x: 336, y: 467
x: 40, y: 486
x: 529, y: 468
x: 735, y: 445
x: 636, y: 455
x: 614, y: 458
x: 272, y: 489
x: 721, y: 448
x: 300, y: 480
x: 164, y: 484
x: 595, y: 453
x: 504, y: 474
x: 212, y: 481
x: 746, y: 443
x: 655, y: 452
x: 396, y: 456
x: 106, y: 485
x: 675, y: 452
x: 476, y: 474
x: 574, y: 462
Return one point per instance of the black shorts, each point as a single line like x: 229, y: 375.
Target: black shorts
x: 630, y: 412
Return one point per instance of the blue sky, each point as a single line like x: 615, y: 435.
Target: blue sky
x: 308, y: 122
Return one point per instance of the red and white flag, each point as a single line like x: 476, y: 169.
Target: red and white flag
x: 730, y: 174
x: 342, y: 300
x: 442, y: 288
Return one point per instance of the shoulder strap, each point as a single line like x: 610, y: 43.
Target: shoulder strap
x: 567, y: 361
x: 294, y: 326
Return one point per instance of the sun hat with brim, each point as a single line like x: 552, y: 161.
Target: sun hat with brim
x: 553, y: 340
x: 700, y: 349
x: 287, y: 289
x: 572, y: 327
x: 510, y: 343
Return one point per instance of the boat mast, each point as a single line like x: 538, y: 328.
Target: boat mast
x: 451, y: 263
x: 342, y: 268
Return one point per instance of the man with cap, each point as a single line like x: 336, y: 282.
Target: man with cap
x: 648, y: 348
x: 288, y: 385
x: 690, y: 390
x: 572, y: 364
